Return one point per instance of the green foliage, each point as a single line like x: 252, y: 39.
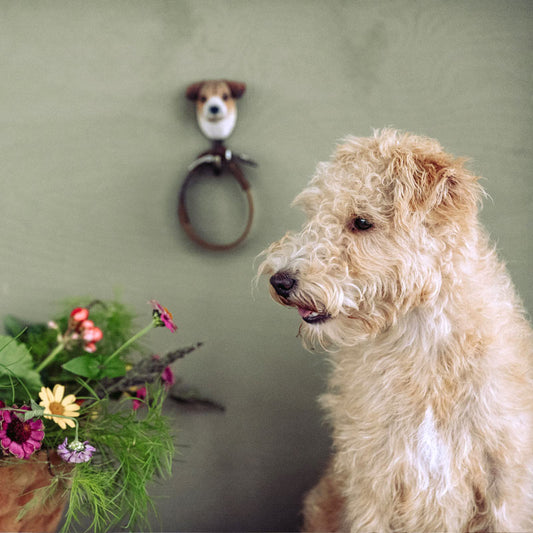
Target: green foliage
x: 16, y: 368
x: 91, y: 494
x: 37, y: 337
x: 131, y: 451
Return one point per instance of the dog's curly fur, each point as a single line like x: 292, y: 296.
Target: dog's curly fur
x: 431, y: 390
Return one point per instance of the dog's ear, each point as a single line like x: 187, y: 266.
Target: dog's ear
x: 237, y: 88
x: 192, y: 90
x: 435, y: 185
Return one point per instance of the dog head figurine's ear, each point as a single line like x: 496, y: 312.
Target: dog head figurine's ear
x: 237, y: 88
x: 193, y: 90
x: 433, y: 184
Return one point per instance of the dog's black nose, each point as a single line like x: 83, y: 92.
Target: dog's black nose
x: 283, y: 283
x: 214, y: 109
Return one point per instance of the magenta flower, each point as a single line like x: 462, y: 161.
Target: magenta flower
x: 18, y: 436
x: 75, y: 452
x: 141, y: 395
x: 163, y: 316
x: 167, y: 377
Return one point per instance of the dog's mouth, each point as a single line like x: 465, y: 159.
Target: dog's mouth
x: 307, y: 310
x: 311, y: 316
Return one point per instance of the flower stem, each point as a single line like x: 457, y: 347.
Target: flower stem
x: 136, y: 337
x: 59, y: 348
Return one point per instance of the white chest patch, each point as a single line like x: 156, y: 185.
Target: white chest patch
x: 433, y: 454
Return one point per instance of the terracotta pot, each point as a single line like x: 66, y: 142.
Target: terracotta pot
x: 18, y: 481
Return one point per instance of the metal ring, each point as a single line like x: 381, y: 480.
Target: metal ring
x: 183, y: 214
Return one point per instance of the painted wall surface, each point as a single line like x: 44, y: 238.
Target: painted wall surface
x: 95, y: 139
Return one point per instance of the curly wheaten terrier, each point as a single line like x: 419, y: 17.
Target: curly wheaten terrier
x: 431, y: 389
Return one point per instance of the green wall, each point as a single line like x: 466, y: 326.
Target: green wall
x: 95, y: 139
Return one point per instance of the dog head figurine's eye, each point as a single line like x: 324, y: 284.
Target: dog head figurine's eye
x: 360, y: 224
x: 203, y: 99
x: 225, y: 96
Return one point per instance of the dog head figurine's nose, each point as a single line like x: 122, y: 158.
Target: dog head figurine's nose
x: 214, y: 109
x: 283, y: 283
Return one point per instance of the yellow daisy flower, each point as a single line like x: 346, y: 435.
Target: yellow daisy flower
x: 54, y: 404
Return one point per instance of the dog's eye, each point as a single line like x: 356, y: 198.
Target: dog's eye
x: 225, y: 96
x: 360, y: 224
x: 203, y: 99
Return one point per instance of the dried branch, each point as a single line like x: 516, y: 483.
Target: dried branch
x: 146, y: 370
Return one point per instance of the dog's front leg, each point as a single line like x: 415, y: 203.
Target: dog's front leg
x: 323, y: 505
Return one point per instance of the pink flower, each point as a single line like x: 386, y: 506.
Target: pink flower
x: 167, y: 377
x: 18, y: 436
x: 141, y: 394
x: 163, y: 316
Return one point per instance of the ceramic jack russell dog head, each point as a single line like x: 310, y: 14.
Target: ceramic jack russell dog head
x: 216, y: 109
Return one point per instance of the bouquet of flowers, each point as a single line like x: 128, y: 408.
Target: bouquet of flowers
x: 81, y: 389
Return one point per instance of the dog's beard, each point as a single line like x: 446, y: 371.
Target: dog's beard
x: 338, y: 313
x: 347, y: 326
x: 330, y: 318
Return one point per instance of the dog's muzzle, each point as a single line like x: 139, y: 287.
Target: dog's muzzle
x: 215, y: 109
x: 283, y: 284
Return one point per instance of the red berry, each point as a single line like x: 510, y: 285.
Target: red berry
x: 97, y: 334
x: 79, y: 314
x: 90, y: 347
x: 87, y: 324
x: 93, y: 334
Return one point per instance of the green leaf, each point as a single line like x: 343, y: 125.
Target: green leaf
x: 36, y: 411
x: 36, y: 408
x: 16, y: 365
x: 114, y: 369
x: 87, y: 366
x: 91, y: 366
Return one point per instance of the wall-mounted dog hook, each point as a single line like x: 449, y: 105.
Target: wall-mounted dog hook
x: 216, y: 113
x: 216, y: 106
